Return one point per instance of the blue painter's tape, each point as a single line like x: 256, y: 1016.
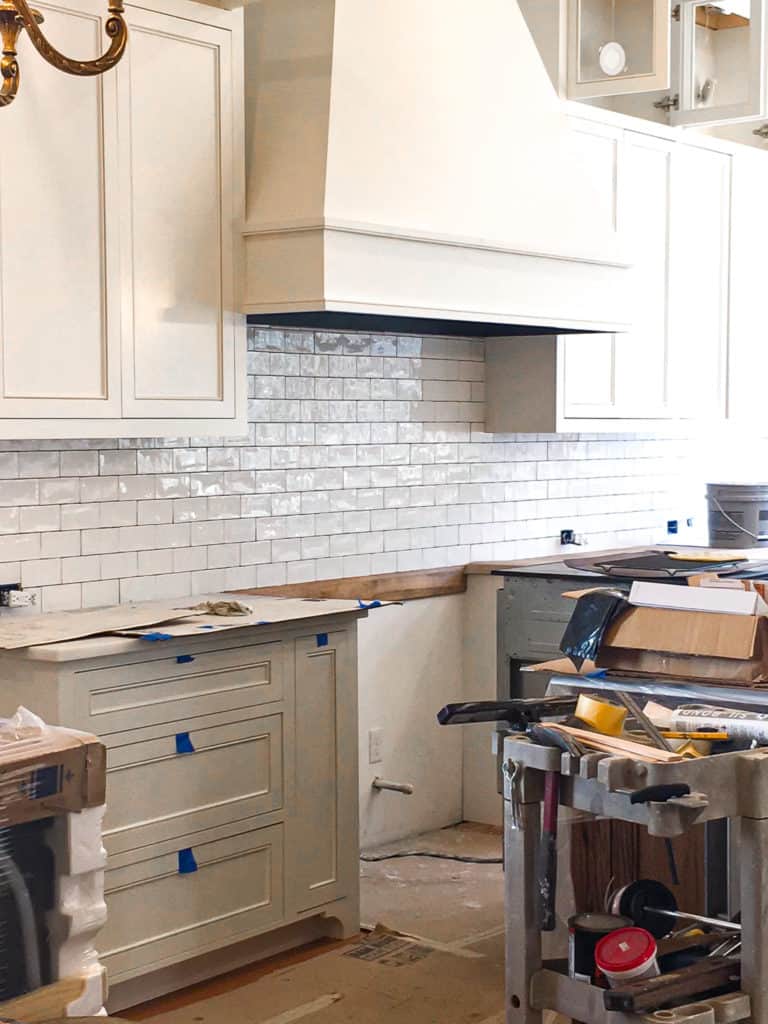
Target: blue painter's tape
x: 601, y: 673
x: 370, y: 604
x: 205, y: 627
x: 156, y: 636
x: 184, y: 659
x: 187, y: 862
x: 184, y: 744
x: 322, y: 639
x: 263, y: 622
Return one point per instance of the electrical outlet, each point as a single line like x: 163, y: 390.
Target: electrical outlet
x: 375, y: 746
x: 20, y: 598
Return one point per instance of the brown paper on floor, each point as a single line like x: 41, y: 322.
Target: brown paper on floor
x: 384, y: 976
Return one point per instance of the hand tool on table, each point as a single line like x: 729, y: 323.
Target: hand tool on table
x: 710, y: 974
x: 546, y: 867
x: 643, y: 721
x: 517, y: 714
x: 660, y: 794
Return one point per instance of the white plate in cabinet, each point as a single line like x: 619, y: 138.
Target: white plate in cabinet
x: 128, y: 696
x: 167, y: 902
x: 184, y: 768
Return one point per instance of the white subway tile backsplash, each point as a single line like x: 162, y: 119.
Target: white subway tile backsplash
x: 367, y: 453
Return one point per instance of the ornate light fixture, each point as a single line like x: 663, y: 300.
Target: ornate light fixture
x: 16, y: 15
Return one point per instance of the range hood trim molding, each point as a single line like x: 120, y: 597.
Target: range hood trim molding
x: 382, y: 231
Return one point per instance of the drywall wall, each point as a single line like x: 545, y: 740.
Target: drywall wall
x: 410, y: 665
x: 481, y: 801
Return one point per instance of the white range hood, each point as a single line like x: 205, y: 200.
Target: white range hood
x: 409, y: 159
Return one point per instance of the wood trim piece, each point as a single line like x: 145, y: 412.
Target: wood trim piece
x: 44, y: 1003
x: 716, y: 20
x: 391, y: 586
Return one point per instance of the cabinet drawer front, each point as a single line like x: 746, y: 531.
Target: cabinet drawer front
x: 189, y: 769
x: 167, y: 689
x: 171, y: 904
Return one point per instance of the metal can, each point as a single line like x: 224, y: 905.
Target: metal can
x: 584, y: 933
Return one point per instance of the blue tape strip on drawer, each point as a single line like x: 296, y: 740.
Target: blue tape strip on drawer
x: 184, y: 659
x: 369, y: 604
x: 187, y: 862
x: 322, y: 639
x: 184, y: 744
x: 156, y: 636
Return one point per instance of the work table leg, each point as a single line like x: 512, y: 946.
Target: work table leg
x: 753, y: 856
x: 523, y: 938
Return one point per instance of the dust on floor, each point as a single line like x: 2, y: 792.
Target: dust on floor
x: 437, y: 956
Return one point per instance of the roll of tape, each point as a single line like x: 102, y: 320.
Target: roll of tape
x: 606, y: 718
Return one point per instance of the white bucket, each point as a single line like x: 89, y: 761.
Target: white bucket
x: 738, y: 515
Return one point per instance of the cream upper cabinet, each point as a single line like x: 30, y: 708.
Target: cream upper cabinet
x: 120, y: 204
x: 625, y: 375
x: 672, y: 206
x: 700, y: 254
x: 748, y: 345
x: 59, y: 266
x: 616, y: 47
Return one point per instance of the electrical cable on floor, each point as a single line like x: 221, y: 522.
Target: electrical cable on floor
x: 374, y: 858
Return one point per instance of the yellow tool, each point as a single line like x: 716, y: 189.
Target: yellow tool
x: 713, y: 736
x: 601, y: 715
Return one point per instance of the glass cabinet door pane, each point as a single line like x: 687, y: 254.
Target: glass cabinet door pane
x: 722, y: 61
x: 617, y: 46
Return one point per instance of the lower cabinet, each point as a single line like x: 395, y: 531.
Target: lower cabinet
x: 232, y: 789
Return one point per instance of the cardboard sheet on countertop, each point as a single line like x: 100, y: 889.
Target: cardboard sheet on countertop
x: 267, y: 611
x: 175, y: 617
x: 53, y: 627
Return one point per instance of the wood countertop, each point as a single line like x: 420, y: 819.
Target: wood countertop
x: 411, y: 586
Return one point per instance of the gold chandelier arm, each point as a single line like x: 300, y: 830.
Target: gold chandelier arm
x: 115, y: 28
x: 9, y: 73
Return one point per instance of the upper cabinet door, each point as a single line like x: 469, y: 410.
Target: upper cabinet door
x: 59, y: 273
x: 617, y: 47
x: 722, y: 62
x: 698, y: 292
x: 179, y: 206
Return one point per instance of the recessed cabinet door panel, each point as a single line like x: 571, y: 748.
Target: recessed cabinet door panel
x: 176, y: 109
x: 699, y: 254
x: 588, y: 360
x: 747, y: 341
x: 642, y: 354
x: 323, y: 824
x: 59, y: 304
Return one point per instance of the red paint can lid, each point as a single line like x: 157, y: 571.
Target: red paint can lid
x: 625, y: 950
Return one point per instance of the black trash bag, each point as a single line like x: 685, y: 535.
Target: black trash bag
x: 593, y: 614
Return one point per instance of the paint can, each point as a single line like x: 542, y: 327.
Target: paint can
x: 738, y: 515
x: 629, y: 954
x: 584, y: 933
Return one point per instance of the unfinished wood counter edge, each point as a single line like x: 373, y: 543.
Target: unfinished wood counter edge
x: 391, y: 586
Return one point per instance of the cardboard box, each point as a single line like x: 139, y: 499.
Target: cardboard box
x: 731, y: 600
x: 711, y: 646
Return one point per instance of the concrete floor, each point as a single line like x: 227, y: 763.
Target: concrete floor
x: 435, y: 956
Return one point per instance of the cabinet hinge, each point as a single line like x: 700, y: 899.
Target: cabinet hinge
x: 762, y: 131
x: 668, y: 103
